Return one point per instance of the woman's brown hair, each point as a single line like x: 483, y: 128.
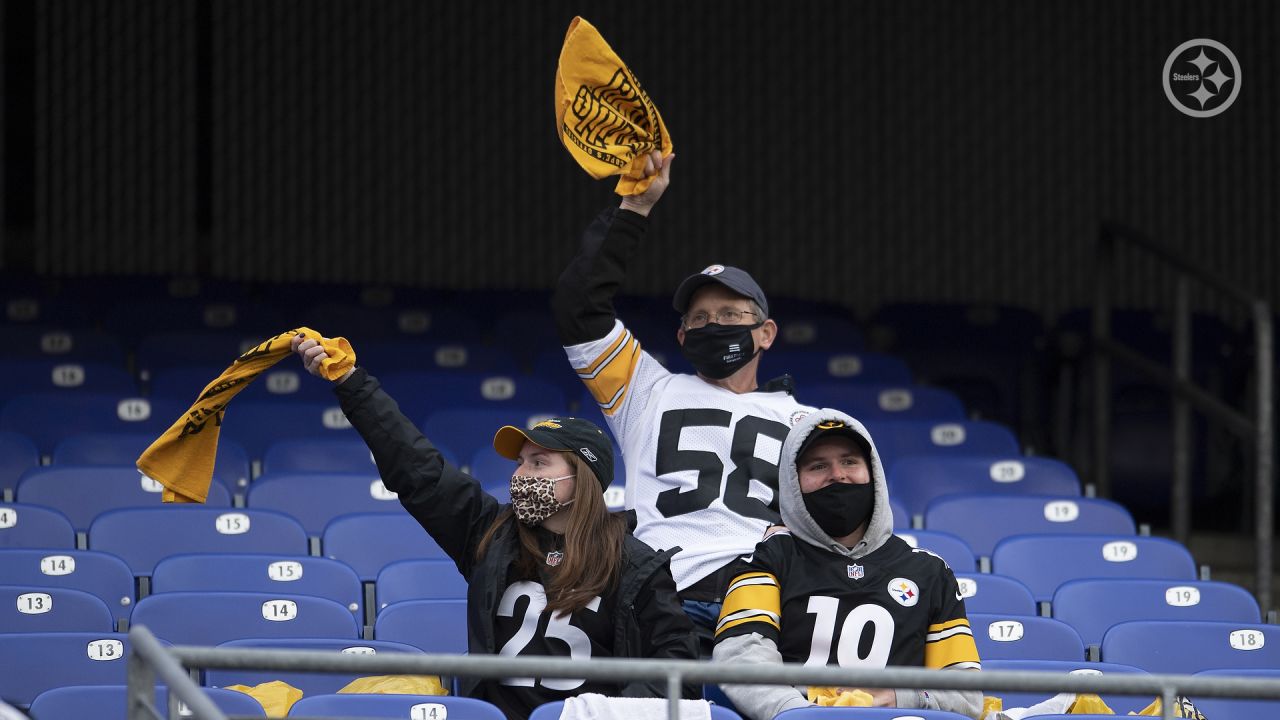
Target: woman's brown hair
x: 593, y: 540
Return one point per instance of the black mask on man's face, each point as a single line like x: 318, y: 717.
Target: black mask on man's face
x: 718, y: 351
x: 840, y: 508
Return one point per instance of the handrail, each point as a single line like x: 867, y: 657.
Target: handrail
x: 1257, y: 430
x: 674, y: 672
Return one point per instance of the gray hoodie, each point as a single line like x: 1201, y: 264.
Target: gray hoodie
x: 761, y: 702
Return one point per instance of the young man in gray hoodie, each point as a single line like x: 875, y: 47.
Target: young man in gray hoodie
x: 834, y: 586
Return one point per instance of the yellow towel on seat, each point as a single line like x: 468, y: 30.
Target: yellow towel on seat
x: 275, y: 697
x: 835, y: 697
x: 182, y: 458
x: 604, y: 118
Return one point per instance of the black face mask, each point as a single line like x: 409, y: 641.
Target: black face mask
x: 840, y: 508
x: 718, y: 351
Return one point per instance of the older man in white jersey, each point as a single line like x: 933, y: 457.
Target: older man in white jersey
x: 701, y: 450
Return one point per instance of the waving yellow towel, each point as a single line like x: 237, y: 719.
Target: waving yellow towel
x: 604, y: 118
x: 182, y: 458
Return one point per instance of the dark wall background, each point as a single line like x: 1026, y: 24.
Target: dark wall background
x: 862, y: 152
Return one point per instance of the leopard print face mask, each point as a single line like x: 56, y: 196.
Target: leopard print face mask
x: 534, y: 498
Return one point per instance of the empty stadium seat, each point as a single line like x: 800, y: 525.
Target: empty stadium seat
x: 109, y: 702
x: 369, y: 542
x: 231, y: 464
x: 47, y: 418
x: 420, y: 580
x: 466, y: 432
x: 945, y: 545
x: 209, y: 618
x: 61, y: 343
x: 1022, y: 637
x: 899, y: 439
x: 1168, y: 646
x: 1122, y: 704
x: 84, y: 492
x: 31, y: 663
x: 436, y: 626
x: 1238, y: 707
x: 392, y: 356
x: 552, y: 710
x: 17, y: 454
x: 915, y: 480
x: 102, y: 574
x: 1043, y: 562
x: 425, y: 320
x: 901, y: 518
x: 246, y: 572
x: 33, y: 526
x: 315, y: 499
x: 885, y: 403
x: 283, y: 382
x: 143, y: 537
x: 1092, y: 606
x: 36, y: 608
x: 995, y: 594
x: 423, y: 393
x: 255, y: 425
x: 395, y: 706
x: 849, y: 713
x: 65, y: 377
x: 160, y: 351
x: 813, y: 366
x: 1023, y: 515
x: 310, y: 683
x: 318, y: 455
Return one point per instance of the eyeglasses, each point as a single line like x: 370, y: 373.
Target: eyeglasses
x: 728, y: 316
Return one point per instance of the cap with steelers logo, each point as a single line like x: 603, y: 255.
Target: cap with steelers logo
x: 835, y: 428
x: 580, y: 437
x: 733, y: 278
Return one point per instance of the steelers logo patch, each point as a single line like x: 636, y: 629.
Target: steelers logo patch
x: 904, y: 592
x: 713, y: 270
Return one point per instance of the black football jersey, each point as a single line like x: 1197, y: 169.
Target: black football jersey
x: 895, y: 606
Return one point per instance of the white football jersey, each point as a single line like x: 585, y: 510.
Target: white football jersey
x: 702, y: 461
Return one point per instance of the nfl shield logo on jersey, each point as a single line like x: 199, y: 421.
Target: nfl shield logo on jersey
x: 554, y: 558
x: 856, y: 572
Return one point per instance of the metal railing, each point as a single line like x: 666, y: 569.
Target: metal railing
x: 1256, y: 430
x: 149, y: 660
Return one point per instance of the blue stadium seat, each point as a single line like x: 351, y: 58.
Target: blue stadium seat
x: 436, y: 626
x: 885, y: 403
x: 420, y: 393
x: 47, y: 418
x: 849, y: 713
x: 1043, y: 562
x: 1235, y: 707
x: 1167, y: 646
x: 915, y: 479
x: 420, y: 580
x: 103, y: 575
x: 1122, y: 704
x: 209, y: 618
x: 392, y: 356
x: 160, y: 351
x: 250, y: 572
x: 552, y: 710
x: 369, y: 542
x: 466, y: 432
x: 231, y: 465
x: 995, y: 594
x: 33, y: 526
x: 255, y: 425
x: 318, y: 455
x: 64, y: 377
x: 813, y: 366
x: 309, y: 683
x: 17, y: 454
x: 395, y: 706
x: 83, y: 492
x: 901, y: 518
x: 109, y: 702
x: 31, y: 663
x: 962, y: 515
x: 426, y: 320
x: 1092, y: 606
x: 143, y: 537
x: 37, y: 608
x: 283, y: 382
x: 898, y: 439
x: 130, y: 318
x: 315, y: 499
x: 37, y: 342
x: 945, y: 545
x: 1024, y: 637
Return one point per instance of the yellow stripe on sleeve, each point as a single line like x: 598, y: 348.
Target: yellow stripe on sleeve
x: 939, y: 627
x: 752, y: 597
x: 951, y: 650
x: 607, y: 378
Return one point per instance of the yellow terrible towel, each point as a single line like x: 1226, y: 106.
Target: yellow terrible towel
x: 840, y: 697
x: 604, y: 118
x: 182, y: 458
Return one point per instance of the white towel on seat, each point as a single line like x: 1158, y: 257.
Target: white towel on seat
x: 594, y: 706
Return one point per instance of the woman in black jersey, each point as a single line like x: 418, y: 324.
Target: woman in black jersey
x: 551, y: 573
